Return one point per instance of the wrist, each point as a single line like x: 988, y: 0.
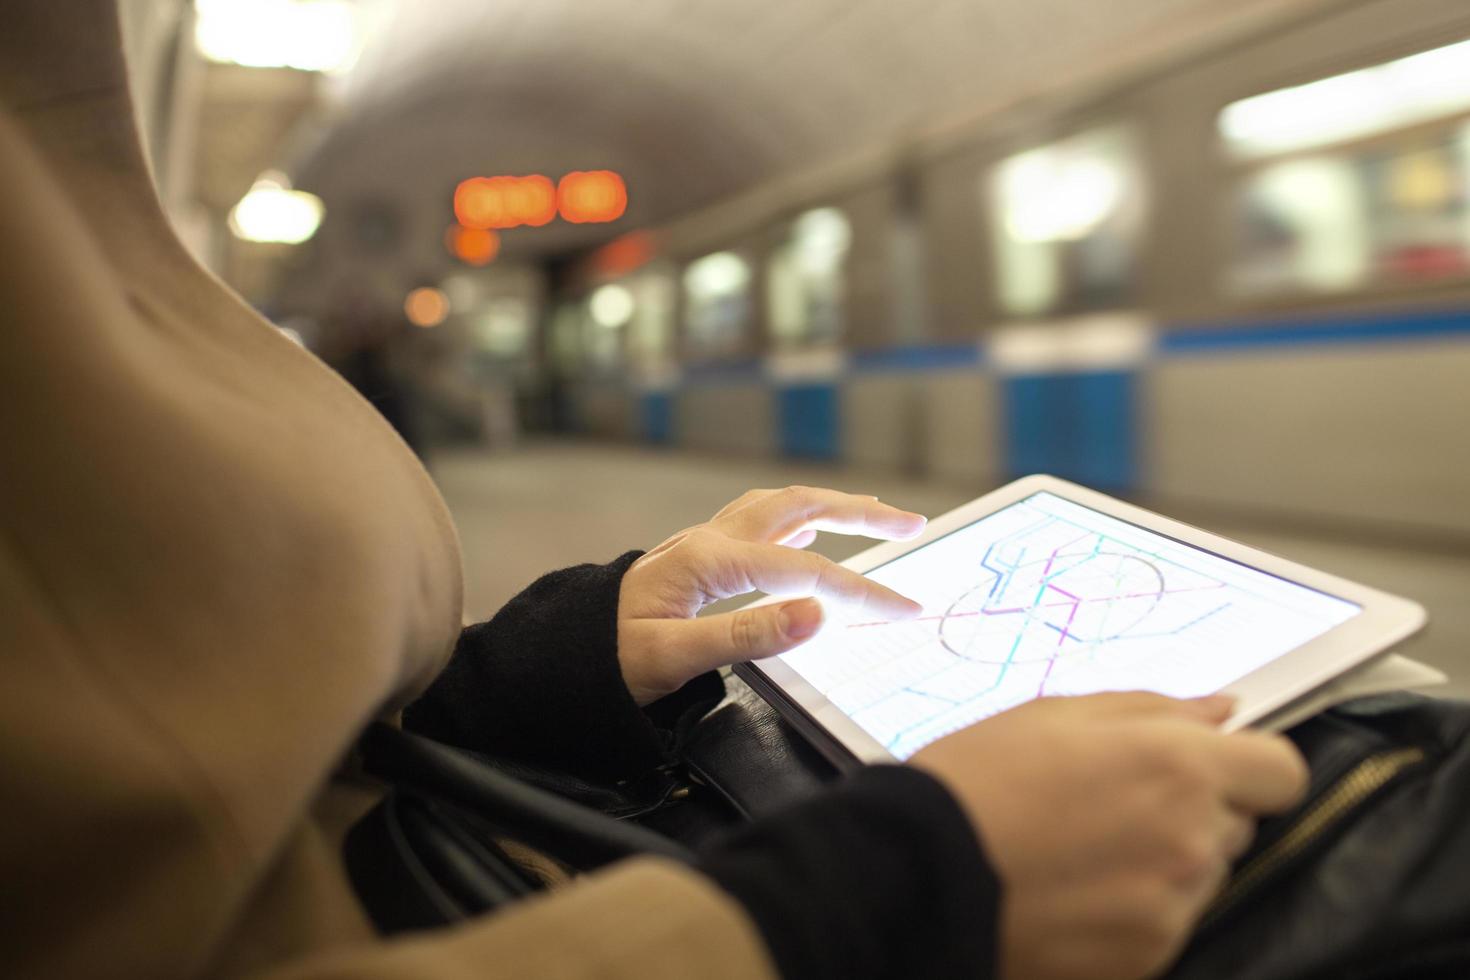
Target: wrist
x: 880, y: 876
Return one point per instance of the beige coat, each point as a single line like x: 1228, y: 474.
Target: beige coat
x: 216, y: 564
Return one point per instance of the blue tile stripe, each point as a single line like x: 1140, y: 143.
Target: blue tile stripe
x: 927, y: 358
x: 1177, y: 338
x: 1377, y: 328
x: 1080, y: 424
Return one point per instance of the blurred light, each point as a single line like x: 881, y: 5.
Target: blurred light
x: 310, y: 35
x: 505, y: 202
x: 473, y: 246
x: 1050, y: 195
x: 1423, y: 180
x: 624, y: 254
x: 720, y: 274
x: 585, y: 196
x: 504, y: 328
x: 611, y: 306
x: 821, y: 238
x: 426, y: 307
x: 532, y: 200
x: 1343, y: 107
x: 463, y: 290
x: 272, y: 212
x: 1103, y: 341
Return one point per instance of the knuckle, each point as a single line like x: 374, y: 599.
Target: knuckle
x: 702, y: 535
x: 681, y: 538
x: 1152, y: 754
x: 1176, y: 763
x: 797, y: 495
x: 744, y: 633
x: 830, y: 580
x: 1194, y: 855
x: 746, y: 498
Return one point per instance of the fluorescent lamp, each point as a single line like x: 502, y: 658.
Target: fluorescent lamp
x: 1344, y: 107
x: 310, y: 35
x: 273, y: 212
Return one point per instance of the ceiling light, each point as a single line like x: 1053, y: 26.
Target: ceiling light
x: 611, y: 306
x: 720, y: 274
x: 1399, y: 93
x: 310, y: 35
x: 272, y: 212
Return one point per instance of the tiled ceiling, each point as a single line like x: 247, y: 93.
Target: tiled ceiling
x: 696, y: 99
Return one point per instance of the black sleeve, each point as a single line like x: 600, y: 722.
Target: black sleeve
x: 880, y: 877
x: 540, y: 683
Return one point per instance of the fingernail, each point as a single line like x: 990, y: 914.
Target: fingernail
x: 909, y: 610
x: 802, y: 618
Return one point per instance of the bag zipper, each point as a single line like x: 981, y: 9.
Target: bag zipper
x: 1325, y: 813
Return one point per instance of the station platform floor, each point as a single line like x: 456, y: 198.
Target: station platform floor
x: 543, y: 506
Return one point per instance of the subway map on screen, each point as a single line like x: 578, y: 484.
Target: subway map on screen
x: 1049, y: 597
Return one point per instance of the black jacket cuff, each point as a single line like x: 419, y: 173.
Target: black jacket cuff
x: 880, y: 877
x: 540, y: 682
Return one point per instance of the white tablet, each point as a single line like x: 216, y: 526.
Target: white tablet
x: 1044, y: 587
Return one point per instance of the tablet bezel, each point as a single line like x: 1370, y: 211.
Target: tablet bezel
x: 1384, y: 621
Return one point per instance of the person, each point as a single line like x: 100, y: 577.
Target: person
x: 219, y: 564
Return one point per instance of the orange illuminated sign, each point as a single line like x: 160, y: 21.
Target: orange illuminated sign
x: 505, y: 202
x: 497, y: 203
x: 474, y: 246
x: 591, y: 195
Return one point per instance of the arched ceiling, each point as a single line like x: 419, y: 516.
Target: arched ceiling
x: 693, y: 100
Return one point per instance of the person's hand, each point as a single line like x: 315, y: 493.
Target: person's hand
x: 1112, y: 821
x: 753, y: 544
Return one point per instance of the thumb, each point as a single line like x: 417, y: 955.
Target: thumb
x: 749, y: 634
x: 1213, y: 709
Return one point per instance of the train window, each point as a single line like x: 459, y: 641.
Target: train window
x: 504, y: 329
x: 1353, y: 180
x: 717, y: 304
x: 651, y: 333
x: 804, y: 284
x: 609, y: 308
x: 1066, y: 220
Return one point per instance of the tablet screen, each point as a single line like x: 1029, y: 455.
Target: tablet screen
x: 1046, y: 596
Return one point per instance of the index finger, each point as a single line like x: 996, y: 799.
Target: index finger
x: 1263, y: 773
x: 784, y: 571
x: 778, y: 515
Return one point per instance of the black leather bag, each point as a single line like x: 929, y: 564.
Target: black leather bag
x: 1368, y: 879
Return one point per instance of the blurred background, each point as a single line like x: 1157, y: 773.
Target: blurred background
x: 606, y: 265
